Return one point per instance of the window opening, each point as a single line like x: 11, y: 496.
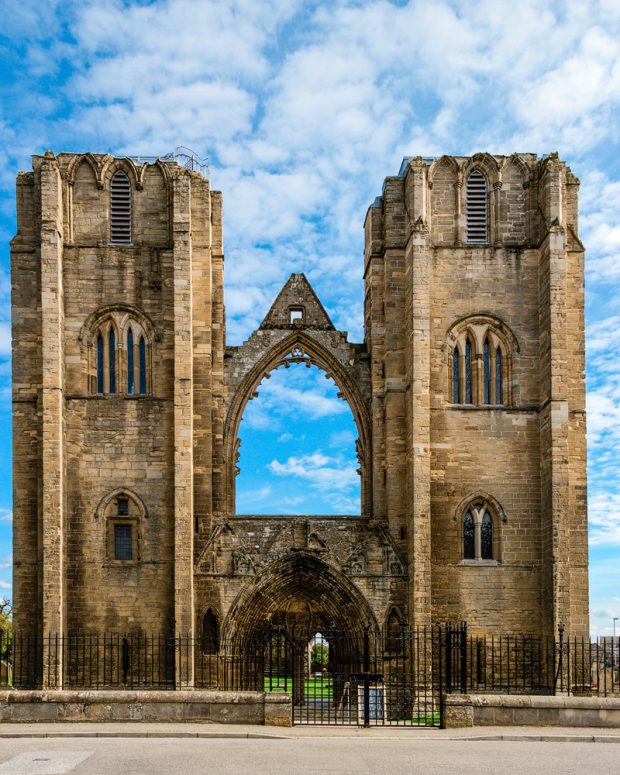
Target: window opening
x: 477, y: 207
x: 99, y: 363
x: 210, y: 634
x: 120, y: 209
x: 394, y: 631
x: 318, y: 664
x: 130, y: 366
x: 297, y: 313
x: 112, y: 361
x: 487, y: 371
x: 142, y: 356
x: 486, y: 537
x: 498, y: 377
x: 123, y: 542
x: 456, y: 376
x: 122, y: 507
x: 468, y: 385
x: 297, y: 450
x: 469, y: 543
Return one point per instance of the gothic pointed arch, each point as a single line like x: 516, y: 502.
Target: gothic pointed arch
x: 329, y: 599
x: 298, y: 347
x: 111, y: 165
x: 486, y: 164
x: 444, y: 184
x: 443, y: 161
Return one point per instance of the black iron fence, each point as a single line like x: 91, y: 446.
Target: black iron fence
x: 522, y: 664
x: 396, y: 675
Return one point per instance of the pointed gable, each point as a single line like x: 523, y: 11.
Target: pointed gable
x: 297, y: 306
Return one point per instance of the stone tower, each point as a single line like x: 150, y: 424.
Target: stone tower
x: 468, y: 395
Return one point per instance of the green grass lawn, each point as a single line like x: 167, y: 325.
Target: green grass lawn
x: 314, y: 688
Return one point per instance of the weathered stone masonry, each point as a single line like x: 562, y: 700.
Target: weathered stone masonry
x: 499, y: 318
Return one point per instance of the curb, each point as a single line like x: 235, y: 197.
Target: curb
x: 510, y: 738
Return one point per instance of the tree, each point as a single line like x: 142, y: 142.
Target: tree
x: 6, y: 614
x: 320, y: 653
x: 6, y: 629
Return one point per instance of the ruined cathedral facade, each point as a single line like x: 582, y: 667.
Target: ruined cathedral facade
x: 467, y: 392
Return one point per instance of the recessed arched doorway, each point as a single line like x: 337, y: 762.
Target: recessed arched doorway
x: 283, y: 609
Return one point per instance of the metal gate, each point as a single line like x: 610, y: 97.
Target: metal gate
x: 388, y: 677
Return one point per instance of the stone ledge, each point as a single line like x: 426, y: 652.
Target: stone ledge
x: 150, y: 706
x: 467, y: 710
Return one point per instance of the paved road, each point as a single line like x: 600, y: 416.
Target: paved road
x: 346, y: 756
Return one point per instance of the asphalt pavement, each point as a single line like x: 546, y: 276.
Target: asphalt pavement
x: 139, y: 748
x: 357, y: 754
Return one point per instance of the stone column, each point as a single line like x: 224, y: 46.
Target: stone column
x: 183, y: 423
x: 554, y: 410
x: 374, y: 326
x: 52, y: 404
x: 420, y: 454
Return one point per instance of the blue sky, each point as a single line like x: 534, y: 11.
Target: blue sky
x: 303, y: 108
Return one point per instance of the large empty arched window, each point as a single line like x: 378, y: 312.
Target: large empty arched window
x: 477, y: 207
x: 297, y: 451
x: 120, y: 209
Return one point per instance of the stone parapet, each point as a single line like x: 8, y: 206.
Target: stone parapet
x: 473, y: 710
x: 149, y: 706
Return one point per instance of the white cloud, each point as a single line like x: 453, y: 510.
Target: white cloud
x: 604, y: 518
x: 6, y: 515
x: 321, y: 471
x: 5, y: 585
x: 5, y: 339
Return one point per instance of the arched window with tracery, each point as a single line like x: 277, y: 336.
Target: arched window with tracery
x: 120, y: 209
x: 480, y: 364
x: 119, y: 353
x: 476, y: 194
x: 479, y: 519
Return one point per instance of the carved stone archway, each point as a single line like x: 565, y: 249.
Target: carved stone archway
x: 281, y: 341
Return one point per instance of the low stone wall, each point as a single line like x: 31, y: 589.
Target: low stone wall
x: 206, y: 706
x: 473, y: 710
